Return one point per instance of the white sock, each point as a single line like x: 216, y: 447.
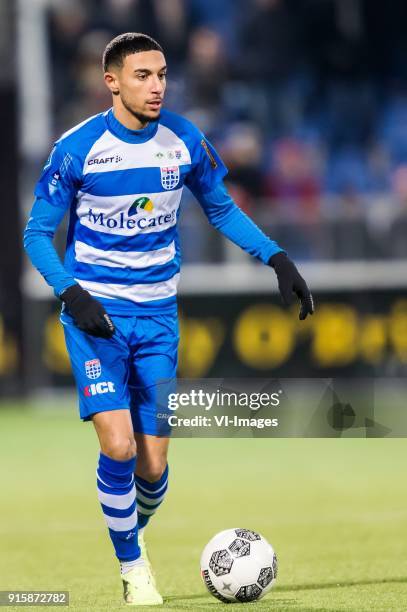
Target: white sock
x: 126, y: 566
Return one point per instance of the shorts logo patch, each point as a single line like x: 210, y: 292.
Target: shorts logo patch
x: 99, y: 388
x: 93, y: 369
x: 169, y: 177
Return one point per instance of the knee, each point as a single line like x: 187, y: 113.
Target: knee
x: 120, y: 448
x: 151, y: 471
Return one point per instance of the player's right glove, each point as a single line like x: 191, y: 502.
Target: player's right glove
x: 88, y: 314
x: 290, y: 281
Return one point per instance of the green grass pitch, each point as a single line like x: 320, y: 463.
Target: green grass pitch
x: 334, y: 510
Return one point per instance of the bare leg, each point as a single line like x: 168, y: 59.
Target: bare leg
x: 151, y: 456
x: 115, y: 432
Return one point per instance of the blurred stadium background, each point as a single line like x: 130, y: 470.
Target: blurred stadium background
x: 306, y: 101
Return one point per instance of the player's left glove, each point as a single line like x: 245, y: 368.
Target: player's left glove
x: 290, y: 281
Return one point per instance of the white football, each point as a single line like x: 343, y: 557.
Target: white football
x: 238, y: 565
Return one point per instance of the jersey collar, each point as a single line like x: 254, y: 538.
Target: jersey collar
x: 131, y: 136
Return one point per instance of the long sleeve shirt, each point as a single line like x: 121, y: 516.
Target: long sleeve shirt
x: 122, y: 190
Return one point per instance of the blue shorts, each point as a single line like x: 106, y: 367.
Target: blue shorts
x: 125, y: 371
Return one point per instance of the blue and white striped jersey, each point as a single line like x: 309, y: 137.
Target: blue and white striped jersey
x: 123, y: 189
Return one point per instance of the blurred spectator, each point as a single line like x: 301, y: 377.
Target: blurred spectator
x: 378, y: 168
x: 205, y: 75
x: 224, y: 17
x: 272, y: 63
x: 293, y: 181
x: 336, y: 39
x: 241, y: 150
x: 91, y: 95
x: 271, y: 40
x: 168, y: 22
x: 68, y: 23
x: 393, y: 127
x: 398, y: 230
x: 347, y: 172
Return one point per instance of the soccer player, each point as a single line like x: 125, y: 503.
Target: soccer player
x: 120, y: 174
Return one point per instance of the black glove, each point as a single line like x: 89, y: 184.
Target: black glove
x: 290, y: 281
x: 89, y: 314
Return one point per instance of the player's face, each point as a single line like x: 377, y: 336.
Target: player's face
x: 140, y: 83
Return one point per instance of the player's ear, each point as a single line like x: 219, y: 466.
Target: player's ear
x: 112, y: 83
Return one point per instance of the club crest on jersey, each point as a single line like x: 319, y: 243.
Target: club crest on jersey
x: 169, y: 177
x: 93, y: 369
